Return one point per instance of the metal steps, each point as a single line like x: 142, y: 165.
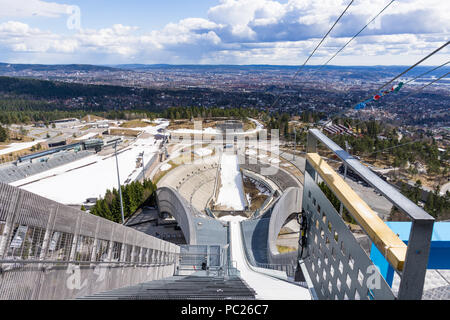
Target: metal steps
x: 182, y: 288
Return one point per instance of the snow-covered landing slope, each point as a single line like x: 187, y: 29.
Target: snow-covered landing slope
x: 231, y: 192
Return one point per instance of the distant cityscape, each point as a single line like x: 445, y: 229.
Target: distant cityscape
x: 328, y: 90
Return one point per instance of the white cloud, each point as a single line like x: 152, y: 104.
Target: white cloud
x: 29, y: 8
x: 19, y: 37
x: 246, y: 31
x: 15, y: 28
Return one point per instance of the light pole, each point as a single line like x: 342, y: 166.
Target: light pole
x: 143, y: 168
x: 120, y: 188
x: 295, y: 141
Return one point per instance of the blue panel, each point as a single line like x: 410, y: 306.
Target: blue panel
x: 439, y: 253
x: 441, y: 231
x: 385, y: 268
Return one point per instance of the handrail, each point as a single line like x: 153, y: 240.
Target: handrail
x: 382, y: 236
x: 413, y: 263
x: 216, y: 181
x: 392, y: 194
x: 119, y: 263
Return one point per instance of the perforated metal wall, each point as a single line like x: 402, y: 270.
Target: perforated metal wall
x: 51, y: 251
x: 338, y: 267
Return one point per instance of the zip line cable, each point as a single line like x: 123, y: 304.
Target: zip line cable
x: 357, y: 34
x: 420, y: 89
x: 413, y: 66
x: 323, y: 39
x: 427, y: 72
x: 314, y: 51
x: 416, y: 64
x: 398, y: 76
x: 416, y: 91
x: 398, y: 146
x: 342, y: 48
x: 413, y: 93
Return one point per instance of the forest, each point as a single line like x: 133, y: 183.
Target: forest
x: 135, y: 195
x: 176, y: 113
x: 58, y: 90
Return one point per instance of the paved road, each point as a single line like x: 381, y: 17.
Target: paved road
x: 299, y: 161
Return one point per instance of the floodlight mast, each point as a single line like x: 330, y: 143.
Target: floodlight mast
x: 120, y: 188
x: 295, y: 142
x: 143, y: 167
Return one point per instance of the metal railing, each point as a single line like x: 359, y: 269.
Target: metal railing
x: 232, y: 269
x: 335, y: 262
x: 209, y: 260
x: 146, y: 167
x: 51, y: 251
x: 289, y: 269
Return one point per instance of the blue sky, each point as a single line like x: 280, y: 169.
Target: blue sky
x: 220, y: 31
x: 149, y: 15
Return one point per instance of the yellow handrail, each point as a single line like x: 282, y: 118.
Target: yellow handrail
x: 389, y: 244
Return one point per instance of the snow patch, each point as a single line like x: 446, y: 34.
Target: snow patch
x: 260, y: 186
x: 165, y: 167
x: 274, y: 160
x: 87, y: 136
x: 249, y: 200
x: 206, y: 130
x: 13, y: 147
x: 89, y: 177
x: 231, y: 218
x: 203, y: 152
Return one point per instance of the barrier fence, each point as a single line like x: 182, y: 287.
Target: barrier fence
x: 52, y: 251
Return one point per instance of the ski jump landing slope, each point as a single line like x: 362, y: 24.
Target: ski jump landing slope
x: 231, y: 193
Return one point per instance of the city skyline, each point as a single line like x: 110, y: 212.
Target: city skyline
x: 235, y: 32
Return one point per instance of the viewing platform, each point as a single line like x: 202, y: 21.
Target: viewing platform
x: 222, y: 256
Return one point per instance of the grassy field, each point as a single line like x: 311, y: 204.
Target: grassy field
x: 136, y: 124
x: 16, y: 137
x: 124, y: 132
x: 284, y: 249
x: 91, y: 118
x: 20, y: 153
x: 249, y: 125
x: 256, y: 199
x: 85, y: 128
x: 187, y: 124
x: 160, y: 174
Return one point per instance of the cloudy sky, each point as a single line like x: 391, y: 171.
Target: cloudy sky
x: 280, y: 32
